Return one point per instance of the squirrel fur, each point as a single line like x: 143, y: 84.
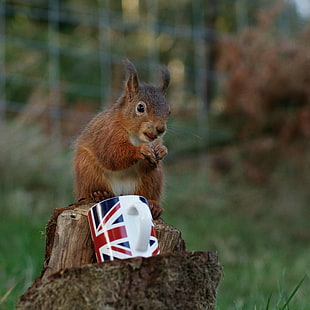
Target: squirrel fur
x: 120, y: 150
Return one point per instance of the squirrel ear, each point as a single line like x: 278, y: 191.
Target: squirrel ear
x: 165, y: 79
x: 132, y: 82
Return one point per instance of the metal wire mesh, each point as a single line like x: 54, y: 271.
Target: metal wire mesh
x: 72, y: 52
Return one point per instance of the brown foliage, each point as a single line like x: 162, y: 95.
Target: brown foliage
x: 267, y: 95
x: 267, y: 87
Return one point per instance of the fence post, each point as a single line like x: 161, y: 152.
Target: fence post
x: 53, y: 67
x: 2, y: 62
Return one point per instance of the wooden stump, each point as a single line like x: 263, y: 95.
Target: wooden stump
x: 69, y: 243
x: 71, y: 279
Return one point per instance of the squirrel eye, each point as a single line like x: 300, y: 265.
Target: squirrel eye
x: 140, y: 108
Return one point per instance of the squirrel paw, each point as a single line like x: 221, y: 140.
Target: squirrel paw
x: 160, y: 151
x: 155, y: 208
x: 148, y: 154
x: 100, y: 195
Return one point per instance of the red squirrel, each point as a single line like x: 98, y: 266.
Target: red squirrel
x: 120, y: 150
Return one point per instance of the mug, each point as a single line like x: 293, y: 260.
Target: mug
x: 122, y: 227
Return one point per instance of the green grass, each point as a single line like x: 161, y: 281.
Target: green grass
x: 264, y: 250
x: 260, y: 233
x: 22, y: 253
x: 35, y: 178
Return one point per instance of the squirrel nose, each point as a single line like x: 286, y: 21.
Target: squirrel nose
x: 160, y: 129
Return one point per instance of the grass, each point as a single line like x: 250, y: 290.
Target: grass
x: 260, y: 233
x: 22, y: 253
x: 265, y: 253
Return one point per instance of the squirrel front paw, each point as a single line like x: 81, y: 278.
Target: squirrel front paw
x: 160, y: 151
x: 148, y: 154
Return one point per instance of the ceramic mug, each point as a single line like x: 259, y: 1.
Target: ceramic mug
x: 122, y: 227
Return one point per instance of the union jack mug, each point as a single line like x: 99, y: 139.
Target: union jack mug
x: 122, y: 227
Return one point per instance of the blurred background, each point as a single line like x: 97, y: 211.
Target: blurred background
x: 238, y: 170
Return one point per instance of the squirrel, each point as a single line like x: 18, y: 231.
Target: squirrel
x: 120, y: 150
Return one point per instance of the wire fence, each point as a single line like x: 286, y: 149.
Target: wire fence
x: 61, y: 60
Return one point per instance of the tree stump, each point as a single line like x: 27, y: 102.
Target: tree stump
x: 70, y: 278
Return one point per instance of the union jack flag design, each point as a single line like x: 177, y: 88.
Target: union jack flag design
x: 109, y: 232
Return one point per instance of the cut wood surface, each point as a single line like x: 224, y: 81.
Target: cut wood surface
x: 71, y: 279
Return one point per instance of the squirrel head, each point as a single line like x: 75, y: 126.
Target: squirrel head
x: 143, y: 107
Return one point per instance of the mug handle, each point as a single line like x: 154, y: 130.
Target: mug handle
x: 145, y: 225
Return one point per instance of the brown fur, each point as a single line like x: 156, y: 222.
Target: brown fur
x: 120, y: 150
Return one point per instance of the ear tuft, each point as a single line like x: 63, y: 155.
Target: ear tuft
x: 132, y: 82
x: 165, y: 79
